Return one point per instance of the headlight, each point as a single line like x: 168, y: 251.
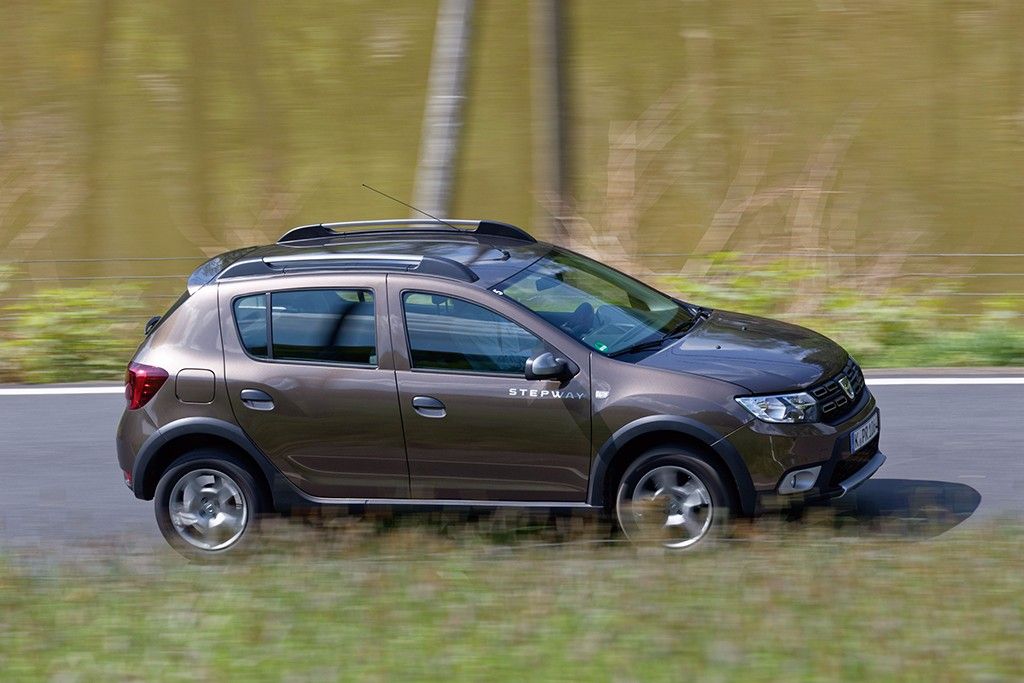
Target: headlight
x: 783, y: 408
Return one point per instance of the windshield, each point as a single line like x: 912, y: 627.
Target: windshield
x: 601, y: 307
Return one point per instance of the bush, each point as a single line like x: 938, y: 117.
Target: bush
x: 89, y: 333
x: 886, y: 330
x: 69, y: 334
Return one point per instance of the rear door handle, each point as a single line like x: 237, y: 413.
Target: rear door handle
x: 256, y: 399
x: 428, y: 406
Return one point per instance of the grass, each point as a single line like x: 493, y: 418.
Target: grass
x: 412, y: 603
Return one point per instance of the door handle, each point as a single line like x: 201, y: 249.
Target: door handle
x: 428, y: 406
x: 256, y: 399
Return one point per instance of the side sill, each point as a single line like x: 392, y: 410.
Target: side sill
x: 448, y: 502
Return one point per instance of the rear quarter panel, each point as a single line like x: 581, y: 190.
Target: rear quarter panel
x: 187, y: 344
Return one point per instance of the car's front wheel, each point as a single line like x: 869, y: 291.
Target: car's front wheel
x: 207, y: 504
x: 672, y: 497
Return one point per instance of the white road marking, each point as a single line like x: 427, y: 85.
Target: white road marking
x: 922, y: 381
x: 872, y: 381
x: 58, y: 391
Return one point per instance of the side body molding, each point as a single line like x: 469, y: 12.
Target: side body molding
x: 681, y: 425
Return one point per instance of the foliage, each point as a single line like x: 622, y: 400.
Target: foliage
x: 895, y: 328
x: 411, y: 605
x: 69, y: 334
x: 88, y: 333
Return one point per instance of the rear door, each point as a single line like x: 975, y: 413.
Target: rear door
x: 307, y: 374
x: 475, y: 427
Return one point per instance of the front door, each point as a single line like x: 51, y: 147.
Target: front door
x: 306, y: 382
x: 475, y: 427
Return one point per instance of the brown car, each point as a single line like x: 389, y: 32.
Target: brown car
x: 421, y: 362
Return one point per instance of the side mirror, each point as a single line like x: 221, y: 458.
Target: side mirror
x: 151, y: 323
x: 546, y: 366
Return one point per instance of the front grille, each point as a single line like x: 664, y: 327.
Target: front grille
x: 851, y: 464
x: 833, y: 401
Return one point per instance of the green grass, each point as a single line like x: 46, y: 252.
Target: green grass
x: 412, y: 603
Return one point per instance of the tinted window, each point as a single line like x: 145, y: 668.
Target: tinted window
x: 446, y: 333
x: 327, y: 325
x: 251, y: 318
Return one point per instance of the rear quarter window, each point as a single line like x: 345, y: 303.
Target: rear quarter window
x: 251, y: 319
x: 321, y: 325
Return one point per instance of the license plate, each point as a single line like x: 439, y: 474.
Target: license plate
x: 860, y: 436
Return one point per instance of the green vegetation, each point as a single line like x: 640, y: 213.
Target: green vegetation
x: 89, y: 333
x: 69, y: 334
x: 411, y: 604
x: 882, y: 326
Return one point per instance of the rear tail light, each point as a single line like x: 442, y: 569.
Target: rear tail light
x: 141, y: 383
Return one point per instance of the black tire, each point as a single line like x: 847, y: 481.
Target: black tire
x: 204, y: 464
x: 698, y: 513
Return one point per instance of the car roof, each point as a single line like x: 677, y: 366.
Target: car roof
x: 484, y: 260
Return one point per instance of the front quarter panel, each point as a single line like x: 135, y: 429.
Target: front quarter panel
x: 631, y: 400
x: 624, y: 392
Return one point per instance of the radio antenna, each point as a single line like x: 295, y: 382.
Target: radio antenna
x: 395, y: 199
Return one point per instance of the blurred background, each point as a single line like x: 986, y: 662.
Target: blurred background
x: 851, y: 165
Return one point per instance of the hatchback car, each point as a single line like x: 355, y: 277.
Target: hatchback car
x: 464, y: 363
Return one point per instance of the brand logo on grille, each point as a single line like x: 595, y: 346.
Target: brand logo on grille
x: 844, y: 382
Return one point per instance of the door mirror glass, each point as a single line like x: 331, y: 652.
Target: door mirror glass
x: 547, y: 366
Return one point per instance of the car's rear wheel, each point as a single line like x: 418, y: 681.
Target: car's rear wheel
x: 207, y: 504
x: 674, y: 498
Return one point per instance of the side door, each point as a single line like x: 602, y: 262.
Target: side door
x: 306, y: 363
x: 475, y: 427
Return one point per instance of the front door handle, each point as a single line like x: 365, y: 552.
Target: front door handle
x: 256, y: 399
x: 428, y: 406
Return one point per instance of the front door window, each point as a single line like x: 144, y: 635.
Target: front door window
x: 450, y: 334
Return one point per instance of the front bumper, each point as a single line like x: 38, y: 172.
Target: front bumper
x: 794, y: 463
x: 828, y: 484
x: 857, y: 478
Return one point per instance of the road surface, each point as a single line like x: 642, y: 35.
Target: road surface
x: 955, y: 460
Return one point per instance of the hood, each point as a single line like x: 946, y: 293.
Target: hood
x: 761, y: 355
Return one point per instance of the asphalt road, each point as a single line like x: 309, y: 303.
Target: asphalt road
x: 955, y: 460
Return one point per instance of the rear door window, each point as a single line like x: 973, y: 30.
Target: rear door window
x: 327, y: 325
x: 320, y: 325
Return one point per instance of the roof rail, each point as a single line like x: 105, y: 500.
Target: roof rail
x: 329, y: 230
x: 426, y: 265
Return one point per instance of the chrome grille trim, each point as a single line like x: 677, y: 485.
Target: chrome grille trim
x: 833, y: 403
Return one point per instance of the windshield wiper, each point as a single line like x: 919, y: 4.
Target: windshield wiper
x: 641, y: 346
x: 698, y: 315
x: 685, y: 326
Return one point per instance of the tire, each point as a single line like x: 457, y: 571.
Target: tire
x: 207, y: 505
x: 672, y: 497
